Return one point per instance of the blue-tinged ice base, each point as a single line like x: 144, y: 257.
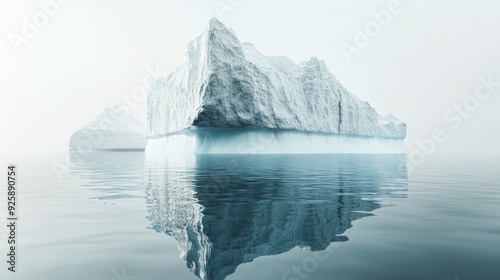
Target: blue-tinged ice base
x: 268, y: 141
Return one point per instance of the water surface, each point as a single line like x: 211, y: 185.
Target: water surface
x: 117, y: 215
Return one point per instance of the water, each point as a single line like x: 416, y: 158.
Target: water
x: 117, y: 215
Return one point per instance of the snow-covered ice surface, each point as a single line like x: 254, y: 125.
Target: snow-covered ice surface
x: 223, y: 83
x: 112, y: 129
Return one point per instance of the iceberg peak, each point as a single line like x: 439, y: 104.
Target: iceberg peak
x: 216, y: 23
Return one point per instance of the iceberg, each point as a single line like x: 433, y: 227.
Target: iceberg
x: 225, y: 89
x: 113, y: 129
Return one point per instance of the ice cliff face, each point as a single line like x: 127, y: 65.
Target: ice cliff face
x: 223, y: 83
x: 112, y: 129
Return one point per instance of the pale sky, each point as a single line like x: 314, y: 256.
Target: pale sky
x: 428, y: 57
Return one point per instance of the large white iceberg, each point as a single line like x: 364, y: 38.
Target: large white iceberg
x: 112, y: 129
x: 225, y: 84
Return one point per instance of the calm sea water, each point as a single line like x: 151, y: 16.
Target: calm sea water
x: 120, y: 216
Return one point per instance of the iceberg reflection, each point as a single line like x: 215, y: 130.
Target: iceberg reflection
x: 226, y: 210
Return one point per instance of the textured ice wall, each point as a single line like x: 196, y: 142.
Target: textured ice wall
x: 224, y: 83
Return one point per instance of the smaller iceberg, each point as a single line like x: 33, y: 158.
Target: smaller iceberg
x: 113, y: 129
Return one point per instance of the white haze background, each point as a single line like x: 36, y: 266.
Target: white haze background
x: 92, y: 52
